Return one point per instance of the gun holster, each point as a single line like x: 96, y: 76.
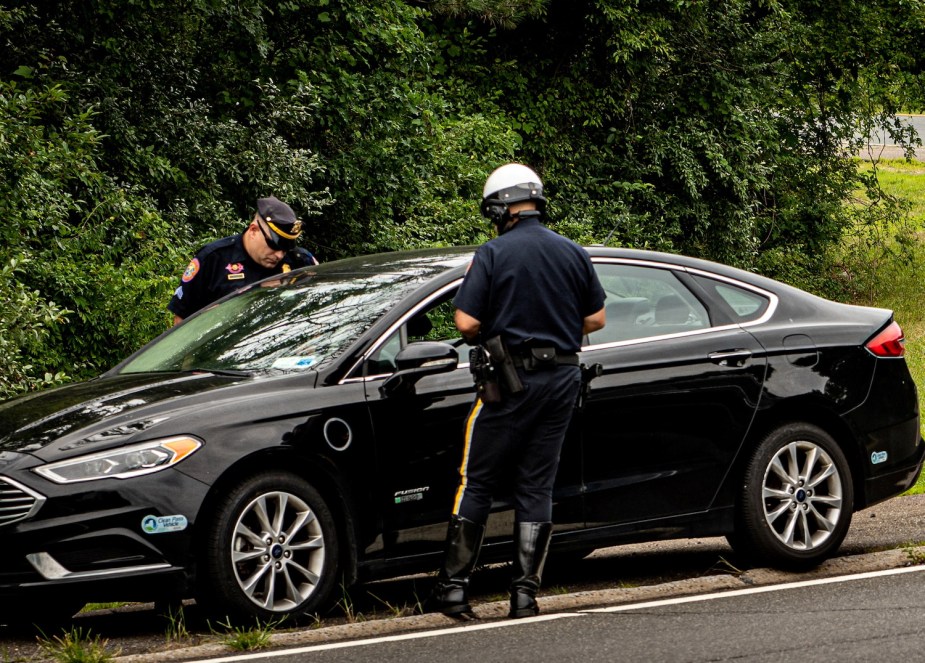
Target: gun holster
x: 501, y: 361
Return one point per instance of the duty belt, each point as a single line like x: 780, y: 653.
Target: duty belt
x: 529, y: 362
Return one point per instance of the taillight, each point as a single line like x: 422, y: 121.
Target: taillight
x: 888, y: 343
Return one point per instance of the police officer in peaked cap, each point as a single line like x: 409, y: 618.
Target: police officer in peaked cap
x: 265, y: 248
x: 537, y: 293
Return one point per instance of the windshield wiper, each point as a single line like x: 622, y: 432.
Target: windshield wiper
x: 227, y: 372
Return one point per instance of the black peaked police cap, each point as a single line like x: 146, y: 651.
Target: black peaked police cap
x: 281, y: 221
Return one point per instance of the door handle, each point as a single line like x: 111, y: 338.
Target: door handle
x: 730, y: 357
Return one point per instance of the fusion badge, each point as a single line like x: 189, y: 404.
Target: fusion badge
x: 410, y: 495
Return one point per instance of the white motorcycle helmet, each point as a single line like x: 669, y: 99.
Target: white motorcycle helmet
x: 511, y: 183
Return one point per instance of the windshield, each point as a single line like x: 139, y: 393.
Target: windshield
x: 294, y: 323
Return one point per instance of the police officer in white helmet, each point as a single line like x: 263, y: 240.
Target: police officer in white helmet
x: 529, y: 297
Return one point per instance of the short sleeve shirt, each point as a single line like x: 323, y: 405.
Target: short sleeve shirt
x: 533, y: 287
x: 216, y: 270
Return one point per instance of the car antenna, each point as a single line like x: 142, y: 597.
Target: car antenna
x: 612, y: 231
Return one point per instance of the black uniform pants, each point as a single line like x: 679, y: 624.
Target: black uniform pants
x: 516, y: 444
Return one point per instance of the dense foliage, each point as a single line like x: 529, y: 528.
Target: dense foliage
x: 133, y: 131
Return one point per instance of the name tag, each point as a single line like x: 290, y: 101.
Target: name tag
x: 235, y: 277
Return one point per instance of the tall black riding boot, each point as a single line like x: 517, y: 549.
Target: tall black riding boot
x: 531, y: 542
x: 463, y: 541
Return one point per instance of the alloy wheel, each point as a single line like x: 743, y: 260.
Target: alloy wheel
x: 278, y: 551
x: 802, y: 494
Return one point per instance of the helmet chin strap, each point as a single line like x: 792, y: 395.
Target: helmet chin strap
x: 507, y: 220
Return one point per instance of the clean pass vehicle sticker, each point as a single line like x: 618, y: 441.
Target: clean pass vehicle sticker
x: 162, y: 524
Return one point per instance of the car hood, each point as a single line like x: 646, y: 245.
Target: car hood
x: 99, y: 412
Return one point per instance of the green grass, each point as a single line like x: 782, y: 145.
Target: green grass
x: 904, y: 180
x: 900, y: 285
x: 75, y: 646
x: 247, y: 638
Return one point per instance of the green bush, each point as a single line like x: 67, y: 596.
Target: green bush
x: 131, y: 133
x: 25, y: 326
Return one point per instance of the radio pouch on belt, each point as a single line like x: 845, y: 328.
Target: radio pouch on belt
x: 540, y: 359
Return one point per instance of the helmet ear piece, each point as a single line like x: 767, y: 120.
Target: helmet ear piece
x: 494, y: 210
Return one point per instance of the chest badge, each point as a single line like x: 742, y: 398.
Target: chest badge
x: 235, y: 271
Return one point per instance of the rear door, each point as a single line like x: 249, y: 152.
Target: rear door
x: 680, y: 387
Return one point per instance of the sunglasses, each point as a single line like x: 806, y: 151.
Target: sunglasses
x: 274, y: 242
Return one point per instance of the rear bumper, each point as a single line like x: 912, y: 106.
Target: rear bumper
x: 884, y: 486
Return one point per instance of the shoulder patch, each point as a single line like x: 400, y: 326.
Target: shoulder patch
x: 191, y: 270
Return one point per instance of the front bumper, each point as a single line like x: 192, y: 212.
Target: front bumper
x: 89, y: 540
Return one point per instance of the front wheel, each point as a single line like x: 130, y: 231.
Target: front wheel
x: 271, y: 551
x: 796, y: 500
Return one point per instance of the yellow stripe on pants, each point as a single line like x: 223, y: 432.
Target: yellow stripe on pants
x: 470, y: 424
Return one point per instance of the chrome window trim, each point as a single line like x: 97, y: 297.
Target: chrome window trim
x: 391, y: 330
x: 773, y: 301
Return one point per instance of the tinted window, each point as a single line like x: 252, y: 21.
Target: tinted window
x: 435, y: 322
x: 646, y: 301
x: 743, y: 305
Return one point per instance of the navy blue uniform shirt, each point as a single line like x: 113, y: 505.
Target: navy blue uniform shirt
x: 532, y: 286
x: 218, y: 269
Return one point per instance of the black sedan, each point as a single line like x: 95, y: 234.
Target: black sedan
x: 307, y: 432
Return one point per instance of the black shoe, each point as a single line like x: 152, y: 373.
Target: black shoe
x: 450, y: 595
x: 531, y: 542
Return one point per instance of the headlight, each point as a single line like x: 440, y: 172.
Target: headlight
x: 122, y: 463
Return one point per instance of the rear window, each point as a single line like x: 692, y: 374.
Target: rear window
x: 743, y: 305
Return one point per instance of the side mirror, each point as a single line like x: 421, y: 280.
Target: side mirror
x: 416, y: 361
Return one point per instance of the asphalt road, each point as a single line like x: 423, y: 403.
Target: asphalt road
x: 858, y: 619
x: 881, y: 146
x: 885, y: 536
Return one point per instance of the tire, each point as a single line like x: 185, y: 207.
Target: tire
x: 796, y: 500
x: 270, y: 553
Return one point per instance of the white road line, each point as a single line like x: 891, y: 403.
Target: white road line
x: 475, y: 626
x: 756, y: 590
x: 478, y: 626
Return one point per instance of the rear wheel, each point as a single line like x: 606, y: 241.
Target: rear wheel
x: 796, y: 500
x: 271, y: 551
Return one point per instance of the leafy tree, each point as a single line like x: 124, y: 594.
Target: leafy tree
x: 133, y: 131
x: 25, y: 326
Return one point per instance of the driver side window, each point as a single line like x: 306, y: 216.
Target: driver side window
x: 382, y: 362
x: 432, y: 323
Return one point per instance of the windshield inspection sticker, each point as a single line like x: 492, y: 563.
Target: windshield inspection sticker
x: 878, y: 457
x: 294, y: 362
x: 162, y: 524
